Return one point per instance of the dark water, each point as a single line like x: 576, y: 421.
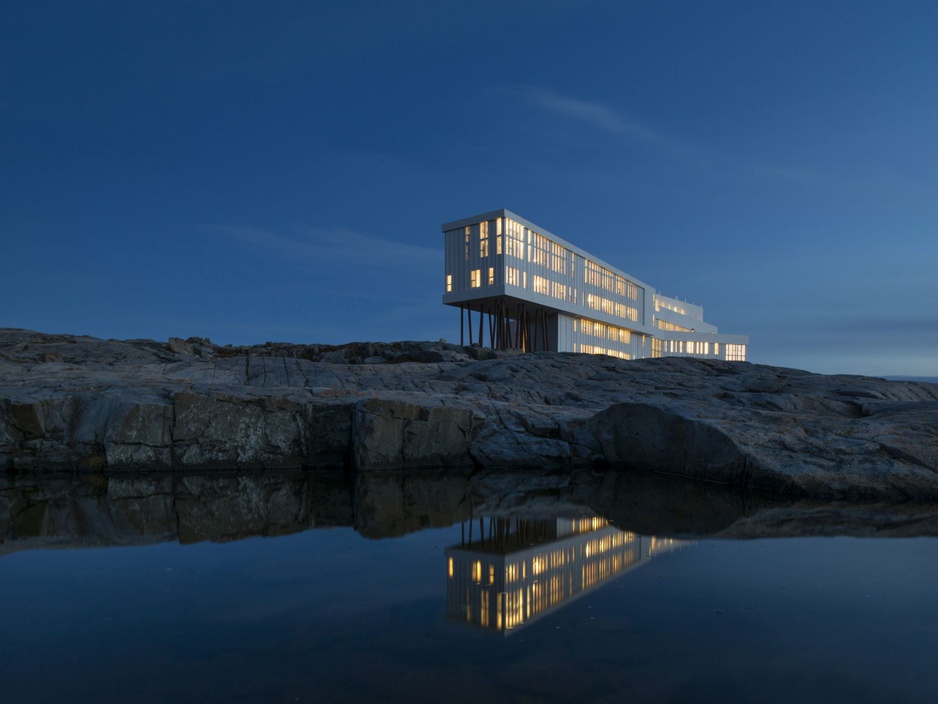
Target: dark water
x: 517, y: 604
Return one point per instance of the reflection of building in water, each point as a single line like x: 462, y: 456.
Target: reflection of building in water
x: 519, y: 569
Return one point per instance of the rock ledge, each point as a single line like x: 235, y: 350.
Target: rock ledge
x: 70, y: 402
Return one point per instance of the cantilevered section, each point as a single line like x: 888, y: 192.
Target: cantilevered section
x: 523, y: 287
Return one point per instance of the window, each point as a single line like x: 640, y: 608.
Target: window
x: 475, y: 278
x: 483, y: 239
x: 514, y: 239
x: 449, y: 283
x: 671, y: 327
x: 491, y: 276
x: 513, y: 275
x: 539, y: 249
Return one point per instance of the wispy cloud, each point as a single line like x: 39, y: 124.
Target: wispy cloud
x: 593, y: 114
x: 332, y: 246
x: 600, y: 116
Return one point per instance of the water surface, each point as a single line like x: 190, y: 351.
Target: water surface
x: 518, y: 604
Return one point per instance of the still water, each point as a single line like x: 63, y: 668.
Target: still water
x: 519, y: 604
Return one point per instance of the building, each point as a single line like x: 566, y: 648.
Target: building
x: 522, y: 287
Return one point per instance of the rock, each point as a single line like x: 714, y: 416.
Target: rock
x: 179, y: 346
x: 139, y: 404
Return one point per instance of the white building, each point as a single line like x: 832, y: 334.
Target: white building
x: 519, y: 286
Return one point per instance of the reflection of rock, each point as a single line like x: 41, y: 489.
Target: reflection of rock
x: 125, y: 509
x: 393, y: 503
x: 128, y: 509
x: 77, y: 402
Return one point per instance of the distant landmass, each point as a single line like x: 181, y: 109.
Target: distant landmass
x: 69, y: 402
x: 924, y: 379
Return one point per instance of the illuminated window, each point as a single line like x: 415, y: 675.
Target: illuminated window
x: 513, y: 276
x: 468, y: 241
x: 541, y: 285
x: 483, y: 239
x: 475, y: 278
x: 671, y: 327
x: 491, y: 276
x: 449, y: 283
x: 539, y: 249
x: 514, y: 239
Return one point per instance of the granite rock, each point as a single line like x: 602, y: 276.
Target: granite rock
x: 82, y: 403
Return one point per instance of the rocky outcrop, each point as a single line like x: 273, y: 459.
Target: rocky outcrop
x: 78, y: 402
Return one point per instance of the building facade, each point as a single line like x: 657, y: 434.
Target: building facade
x: 519, y: 286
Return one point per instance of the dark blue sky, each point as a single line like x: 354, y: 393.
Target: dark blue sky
x: 279, y: 171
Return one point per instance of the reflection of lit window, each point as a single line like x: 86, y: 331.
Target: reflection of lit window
x: 491, y: 574
x: 450, y: 567
x: 475, y: 278
x: 449, y: 283
x: 477, y: 571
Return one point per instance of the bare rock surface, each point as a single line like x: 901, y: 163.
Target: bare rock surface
x: 70, y: 402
